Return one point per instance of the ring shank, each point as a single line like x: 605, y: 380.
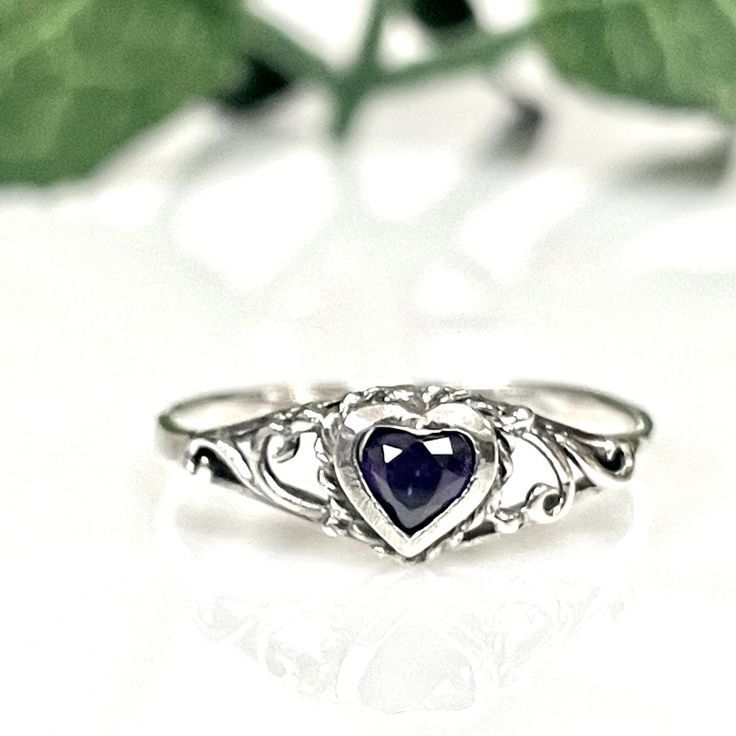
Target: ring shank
x: 584, y: 410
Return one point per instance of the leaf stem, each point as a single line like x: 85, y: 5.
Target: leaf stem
x: 353, y: 84
x: 479, y: 50
x: 366, y: 74
x: 371, y: 38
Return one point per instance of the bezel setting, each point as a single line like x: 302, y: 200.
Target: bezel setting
x: 419, y: 412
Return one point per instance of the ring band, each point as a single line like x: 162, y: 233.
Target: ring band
x: 410, y: 470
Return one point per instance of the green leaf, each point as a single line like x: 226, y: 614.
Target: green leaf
x: 679, y: 53
x: 80, y: 77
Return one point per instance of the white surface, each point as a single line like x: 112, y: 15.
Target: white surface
x: 222, y: 252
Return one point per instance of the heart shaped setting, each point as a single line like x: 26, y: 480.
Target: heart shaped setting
x: 413, y: 464
x: 416, y: 476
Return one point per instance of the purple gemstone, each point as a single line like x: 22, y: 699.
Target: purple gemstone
x: 415, y: 477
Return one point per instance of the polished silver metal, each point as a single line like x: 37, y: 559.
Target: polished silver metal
x: 243, y: 438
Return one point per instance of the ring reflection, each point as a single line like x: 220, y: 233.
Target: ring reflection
x: 341, y: 626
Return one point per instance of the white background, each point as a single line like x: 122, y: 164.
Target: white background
x: 219, y: 252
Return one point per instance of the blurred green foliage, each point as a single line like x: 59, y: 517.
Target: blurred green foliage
x: 680, y: 53
x: 80, y: 77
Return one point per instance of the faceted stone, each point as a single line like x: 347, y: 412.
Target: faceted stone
x: 415, y: 477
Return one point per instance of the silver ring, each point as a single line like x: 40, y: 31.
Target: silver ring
x: 411, y: 470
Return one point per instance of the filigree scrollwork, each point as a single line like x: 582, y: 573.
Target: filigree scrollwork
x: 603, y: 462
x: 579, y: 462
x: 245, y: 455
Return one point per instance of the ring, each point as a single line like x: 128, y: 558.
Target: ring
x: 410, y: 470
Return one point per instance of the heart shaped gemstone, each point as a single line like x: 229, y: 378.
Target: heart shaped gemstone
x: 415, y: 477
